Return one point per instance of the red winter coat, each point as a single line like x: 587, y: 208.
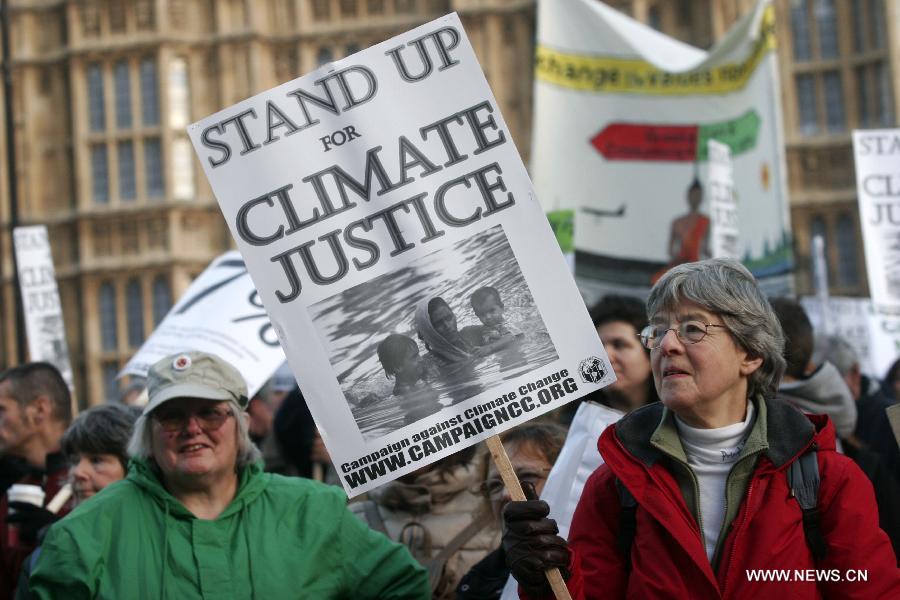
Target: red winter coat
x: 668, y: 556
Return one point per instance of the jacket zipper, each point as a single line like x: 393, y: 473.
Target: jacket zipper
x: 727, y: 481
x: 731, y: 550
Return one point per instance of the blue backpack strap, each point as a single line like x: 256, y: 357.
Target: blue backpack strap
x: 803, y: 481
x: 627, y: 523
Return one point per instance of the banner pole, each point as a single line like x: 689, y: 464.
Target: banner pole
x: 508, y: 474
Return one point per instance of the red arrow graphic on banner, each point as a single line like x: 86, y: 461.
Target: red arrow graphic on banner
x: 630, y: 141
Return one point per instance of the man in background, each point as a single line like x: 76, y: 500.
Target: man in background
x: 810, y: 388
x: 35, y: 410
x: 872, y: 444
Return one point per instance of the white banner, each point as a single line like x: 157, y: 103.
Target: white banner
x: 623, y: 115
x: 723, y: 206
x: 395, y: 240
x: 219, y: 313
x: 877, y: 155
x: 40, y: 300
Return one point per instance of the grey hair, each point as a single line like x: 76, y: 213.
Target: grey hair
x: 141, y: 443
x: 102, y: 429
x: 841, y: 354
x: 725, y: 287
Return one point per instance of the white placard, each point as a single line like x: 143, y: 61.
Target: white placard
x: 40, y: 300
x: 219, y: 313
x: 877, y: 155
x: 372, y: 199
x: 723, y: 206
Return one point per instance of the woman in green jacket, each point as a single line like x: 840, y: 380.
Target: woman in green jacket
x: 197, y: 518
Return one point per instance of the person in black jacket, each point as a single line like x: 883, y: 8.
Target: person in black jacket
x: 872, y: 444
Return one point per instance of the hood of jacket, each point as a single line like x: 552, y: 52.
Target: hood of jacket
x: 145, y: 475
x: 782, y: 432
x: 823, y: 393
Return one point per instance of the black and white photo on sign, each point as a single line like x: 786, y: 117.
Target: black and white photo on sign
x: 439, y: 330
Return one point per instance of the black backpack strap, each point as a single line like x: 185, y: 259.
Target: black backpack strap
x: 803, y: 481
x: 627, y: 523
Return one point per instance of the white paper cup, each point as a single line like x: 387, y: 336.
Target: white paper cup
x: 21, y: 492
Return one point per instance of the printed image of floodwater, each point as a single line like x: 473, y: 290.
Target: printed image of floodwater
x: 356, y: 320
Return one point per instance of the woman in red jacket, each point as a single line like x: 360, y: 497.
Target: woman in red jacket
x: 694, y: 500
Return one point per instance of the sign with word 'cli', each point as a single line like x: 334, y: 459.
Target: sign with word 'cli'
x: 44, y: 325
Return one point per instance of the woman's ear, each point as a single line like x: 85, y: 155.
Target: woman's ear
x: 750, y: 364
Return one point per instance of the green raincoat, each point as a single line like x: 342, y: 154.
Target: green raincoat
x: 279, y: 538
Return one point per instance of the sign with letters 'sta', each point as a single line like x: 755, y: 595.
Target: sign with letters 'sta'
x: 40, y: 299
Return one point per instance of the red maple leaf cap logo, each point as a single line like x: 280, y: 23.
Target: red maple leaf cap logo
x: 181, y: 362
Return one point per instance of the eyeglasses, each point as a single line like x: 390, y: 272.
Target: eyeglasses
x: 209, y: 419
x: 495, y: 486
x: 689, y: 332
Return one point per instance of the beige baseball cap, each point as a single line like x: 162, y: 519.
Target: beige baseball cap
x: 194, y: 375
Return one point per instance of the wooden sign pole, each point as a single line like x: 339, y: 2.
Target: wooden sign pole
x: 508, y: 474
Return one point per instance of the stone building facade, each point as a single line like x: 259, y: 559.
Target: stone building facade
x: 102, y: 92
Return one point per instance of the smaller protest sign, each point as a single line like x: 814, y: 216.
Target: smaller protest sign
x: 44, y: 325
x: 219, y: 313
x: 848, y: 319
x: 873, y: 334
x: 884, y: 348
x: 723, y: 206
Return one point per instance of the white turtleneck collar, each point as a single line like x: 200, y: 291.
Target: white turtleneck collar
x: 711, y: 454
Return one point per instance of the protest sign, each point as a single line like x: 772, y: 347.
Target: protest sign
x: 40, y: 300
x: 394, y: 237
x: 722, y: 202
x: 876, y: 153
x: 221, y: 313
x: 884, y: 345
x: 623, y: 115
x: 873, y: 334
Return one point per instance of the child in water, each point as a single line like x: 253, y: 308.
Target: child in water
x: 399, y: 356
x: 493, y: 334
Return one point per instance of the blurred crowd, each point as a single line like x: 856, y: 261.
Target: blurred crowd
x: 188, y: 488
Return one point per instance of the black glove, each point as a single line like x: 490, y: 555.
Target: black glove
x: 532, y: 546
x: 30, y: 519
